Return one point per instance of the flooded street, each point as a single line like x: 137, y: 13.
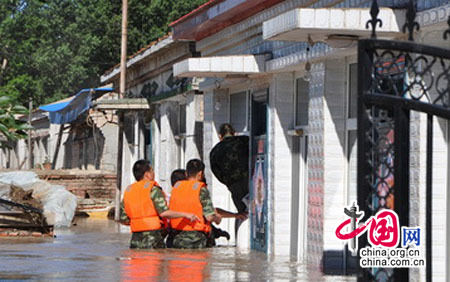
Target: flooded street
x: 96, y: 250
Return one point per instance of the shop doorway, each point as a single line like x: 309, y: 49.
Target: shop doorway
x: 258, y: 169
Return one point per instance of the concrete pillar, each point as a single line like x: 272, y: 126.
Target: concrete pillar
x: 168, y: 160
x: 156, y: 145
x: 52, y: 142
x: 334, y: 120
x: 280, y: 167
x: 194, y: 124
x: 128, y: 157
x: 21, y: 153
x: 208, y: 131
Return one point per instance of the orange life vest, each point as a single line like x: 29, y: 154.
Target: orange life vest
x: 139, y: 207
x: 185, y: 197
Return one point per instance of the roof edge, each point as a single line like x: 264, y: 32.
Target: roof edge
x: 158, y: 45
x: 199, y: 9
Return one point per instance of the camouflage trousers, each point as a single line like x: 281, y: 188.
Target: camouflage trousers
x: 192, y: 240
x: 239, y: 190
x: 148, y: 239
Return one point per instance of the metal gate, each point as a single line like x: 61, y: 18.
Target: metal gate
x: 395, y: 78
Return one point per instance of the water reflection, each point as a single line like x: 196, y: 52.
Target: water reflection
x: 95, y: 250
x: 168, y: 265
x: 139, y: 266
x: 193, y: 265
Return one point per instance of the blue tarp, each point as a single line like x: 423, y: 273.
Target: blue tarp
x: 68, y: 111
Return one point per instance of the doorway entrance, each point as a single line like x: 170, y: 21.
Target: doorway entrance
x: 258, y: 168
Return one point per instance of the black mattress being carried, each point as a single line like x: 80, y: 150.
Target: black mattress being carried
x: 229, y: 159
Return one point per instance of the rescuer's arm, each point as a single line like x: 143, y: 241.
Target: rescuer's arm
x: 159, y: 201
x: 209, y: 212
x: 227, y: 214
x: 124, y: 219
x: 175, y: 214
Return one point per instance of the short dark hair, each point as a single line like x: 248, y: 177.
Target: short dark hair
x: 140, y: 168
x: 177, y: 175
x: 226, y: 129
x: 194, y: 166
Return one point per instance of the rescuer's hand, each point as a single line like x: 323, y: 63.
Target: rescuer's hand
x: 216, y: 218
x: 192, y: 217
x: 242, y: 216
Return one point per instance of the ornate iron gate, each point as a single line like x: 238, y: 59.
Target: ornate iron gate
x: 395, y: 78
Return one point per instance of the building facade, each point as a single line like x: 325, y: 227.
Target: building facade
x: 162, y: 115
x: 87, y: 143
x: 285, y: 73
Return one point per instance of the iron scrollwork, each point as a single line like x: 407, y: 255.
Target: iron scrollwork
x: 411, y: 23
x: 416, y: 76
x: 400, y: 78
x: 374, y: 11
x: 447, y: 32
x: 397, y: 77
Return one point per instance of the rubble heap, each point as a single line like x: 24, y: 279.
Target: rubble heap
x: 28, y: 203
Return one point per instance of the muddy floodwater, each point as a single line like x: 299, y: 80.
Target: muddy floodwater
x: 95, y: 249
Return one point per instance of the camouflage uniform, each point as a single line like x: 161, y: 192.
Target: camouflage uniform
x: 196, y: 239
x: 229, y: 163
x: 154, y: 238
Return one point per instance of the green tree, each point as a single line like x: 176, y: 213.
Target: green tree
x: 149, y: 19
x: 11, y: 129
x: 51, y: 49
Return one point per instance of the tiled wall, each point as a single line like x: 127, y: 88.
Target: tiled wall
x: 316, y: 166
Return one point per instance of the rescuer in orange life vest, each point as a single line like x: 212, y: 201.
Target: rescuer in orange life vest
x: 145, y: 207
x: 179, y: 175
x: 192, y: 196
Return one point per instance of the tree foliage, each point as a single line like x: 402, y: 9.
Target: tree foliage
x: 11, y: 129
x: 51, y: 49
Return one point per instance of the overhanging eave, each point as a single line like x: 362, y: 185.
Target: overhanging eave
x: 221, y: 66
x: 319, y: 24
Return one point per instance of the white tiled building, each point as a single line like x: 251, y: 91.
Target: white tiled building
x: 162, y: 114
x: 255, y: 54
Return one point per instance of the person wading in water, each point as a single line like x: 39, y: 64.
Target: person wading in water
x: 192, y: 196
x: 146, y: 208
x: 179, y: 175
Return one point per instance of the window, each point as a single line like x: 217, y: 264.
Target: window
x: 301, y: 102
x: 353, y: 91
x: 128, y: 129
x: 238, y: 111
x: 181, y: 136
x: 182, y: 115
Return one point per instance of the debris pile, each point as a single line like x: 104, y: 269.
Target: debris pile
x: 33, y: 206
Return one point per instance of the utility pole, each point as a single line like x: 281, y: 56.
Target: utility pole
x: 123, y: 76
x: 123, y: 55
x: 30, y: 153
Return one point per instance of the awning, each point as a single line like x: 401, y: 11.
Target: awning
x: 68, y: 111
x: 123, y: 104
x: 221, y: 66
x: 330, y: 23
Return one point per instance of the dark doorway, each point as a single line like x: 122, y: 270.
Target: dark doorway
x: 258, y: 181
